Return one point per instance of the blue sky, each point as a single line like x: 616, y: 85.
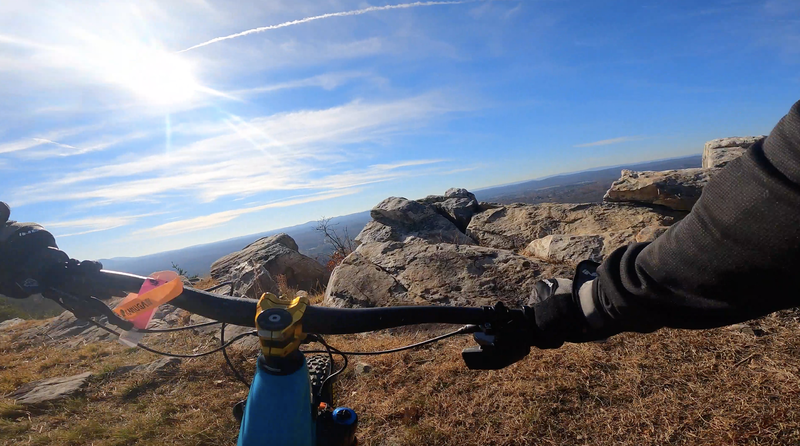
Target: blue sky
x: 123, y: 145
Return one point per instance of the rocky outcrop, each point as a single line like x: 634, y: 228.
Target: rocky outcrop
x: 567, y: 248
x: 278, y: 255
x: 422, y: 273
x: 50, y: 390
x: 675, y: 189
x: 457, y: 205
x: 415, y: 253
x: 398, y: 219
x: 719, y: 152
x: 514, y: 226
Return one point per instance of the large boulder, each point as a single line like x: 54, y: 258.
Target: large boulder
x: 719, y: 152
x: 398, y: 219
x: 514, y: 226
x: 421, y: 273
x: 279, y: 256
x: 676, y: 189
x: 50, y: 390
x: 457, y: 205
x: 252, y: 281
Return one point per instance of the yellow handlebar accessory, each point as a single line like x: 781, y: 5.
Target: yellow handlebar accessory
x: 278, y: 324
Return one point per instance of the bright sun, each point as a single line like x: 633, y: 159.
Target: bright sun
x: 155, y: 76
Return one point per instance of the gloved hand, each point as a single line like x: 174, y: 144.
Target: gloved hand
x: 564, y: 310
x: 27, y: 253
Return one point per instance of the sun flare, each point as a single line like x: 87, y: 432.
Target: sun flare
x: 155, y: 76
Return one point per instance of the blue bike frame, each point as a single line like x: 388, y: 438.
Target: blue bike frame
x: 278, y: 410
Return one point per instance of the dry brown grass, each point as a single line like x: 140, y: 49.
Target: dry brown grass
x: 713, y: 387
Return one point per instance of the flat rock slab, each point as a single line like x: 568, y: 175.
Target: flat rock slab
x: 514, y: 226
x: 158, y: 367
x: 676, y: 189
x: 567, y: 248
x: 49, y: 390
x: 5, y: 325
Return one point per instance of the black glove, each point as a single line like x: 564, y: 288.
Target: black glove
x: 27, y: 254
x: 564, y: 310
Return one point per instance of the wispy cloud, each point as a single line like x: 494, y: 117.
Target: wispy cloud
x: 327, y: 81
x: 607, y: 142
x: 69, y: 228
x: 84, y: 147
x: 219, y: 218
x: 303, y: 150
x: 326, y: 16
x: 43, y: 139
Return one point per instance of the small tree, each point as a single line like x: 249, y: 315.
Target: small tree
x: 183, y: 273
x: 342, y: 244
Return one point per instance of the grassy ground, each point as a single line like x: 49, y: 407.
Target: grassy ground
x: 713, y: 387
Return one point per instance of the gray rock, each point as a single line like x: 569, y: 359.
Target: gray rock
x: 49, y: 390
x: 252, y: 281
x: 277, y: 254
x: 567, y: 248
x: 719, y: 152
x: 65, y: 326
x: 676, y: 189
x: 398, y: 219
x: 514, y: 226
x: 420, y: 273
x: 650, y: 233
x: 362, y: 368
x: 7, y: 324
x: 161, y: 366
x: 281, y: 239
x: 457, y: 205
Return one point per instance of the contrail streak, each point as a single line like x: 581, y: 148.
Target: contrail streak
x: 327, y: 16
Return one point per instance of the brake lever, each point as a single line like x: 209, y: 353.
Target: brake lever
x: 86, y: 307
x: 501, y: 342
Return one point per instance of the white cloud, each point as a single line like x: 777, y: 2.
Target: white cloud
x: 90, y: 225
x: 81, y: 148
x: 37, y: 140
x: 219, y: 218
x: 606, y: 142
x: 328, y: 81
x: 304, y: 150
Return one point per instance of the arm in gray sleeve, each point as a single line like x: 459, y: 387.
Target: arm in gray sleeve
x: 735, y: 257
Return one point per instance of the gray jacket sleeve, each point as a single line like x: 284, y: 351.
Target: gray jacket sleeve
x: 735, y: 257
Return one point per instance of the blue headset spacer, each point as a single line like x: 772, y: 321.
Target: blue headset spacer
x: 344, y: 416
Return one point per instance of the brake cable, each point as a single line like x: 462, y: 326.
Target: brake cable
x: 175, y: 355
x: 463, y: 330
x: 236, y: 373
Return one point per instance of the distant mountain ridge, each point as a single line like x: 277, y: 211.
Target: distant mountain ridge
x: 603, y: 176
x: 198, y: 259
x: 585, y: 186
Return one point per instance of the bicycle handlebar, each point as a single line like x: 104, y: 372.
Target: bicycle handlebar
x: 319, y: 320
